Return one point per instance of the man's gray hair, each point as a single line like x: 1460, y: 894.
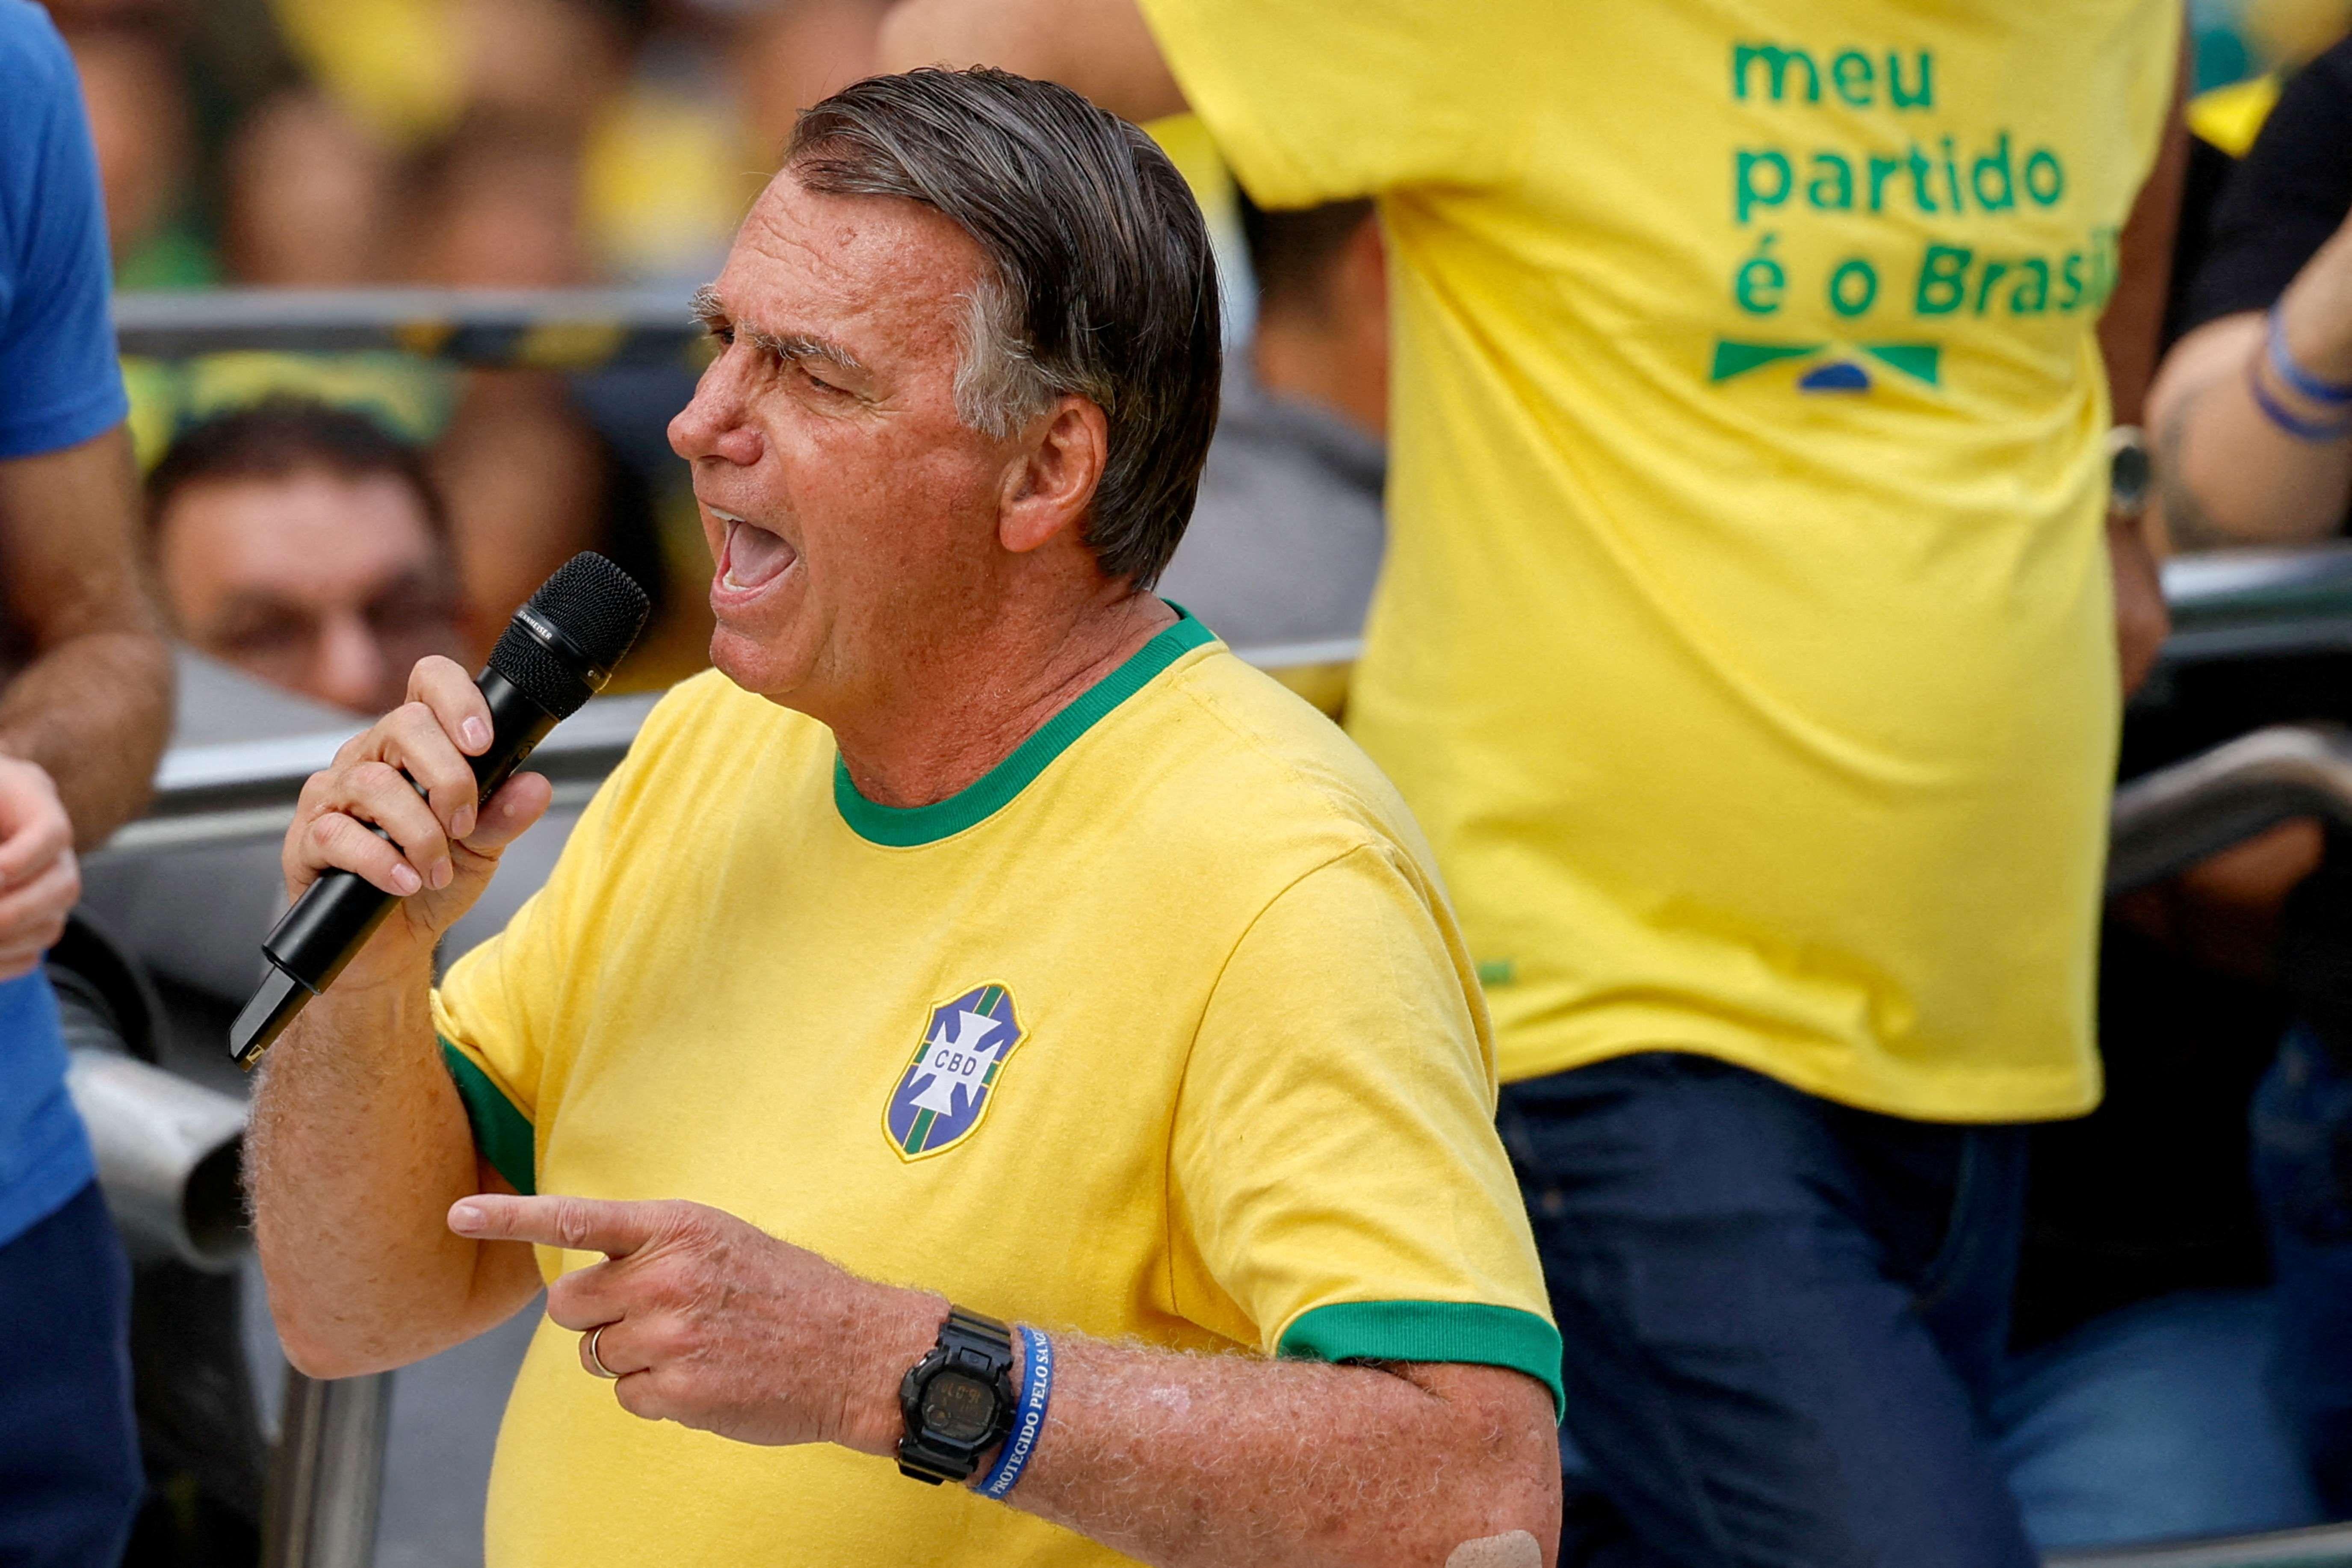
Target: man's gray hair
x: 998, y: 385
x: 1101, y: 281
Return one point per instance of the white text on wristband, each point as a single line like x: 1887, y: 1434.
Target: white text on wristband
x: 1029, y: 1420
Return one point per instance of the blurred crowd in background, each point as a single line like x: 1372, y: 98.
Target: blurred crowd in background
x: 460, y: 143
x: 543, y: 144
x: 551, y: 144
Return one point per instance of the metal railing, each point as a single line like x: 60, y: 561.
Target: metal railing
x: 2328, y: 1546
x: 326, y: 1483
x: 2165, y: 822
x: 2232, y: 604
x: 241, y: 790
x: 567, y: 330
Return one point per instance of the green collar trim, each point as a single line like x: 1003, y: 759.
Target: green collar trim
x: 905, y: 826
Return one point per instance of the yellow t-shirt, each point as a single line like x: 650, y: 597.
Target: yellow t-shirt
x: 1161, y: 1029
x: 1744, y: 646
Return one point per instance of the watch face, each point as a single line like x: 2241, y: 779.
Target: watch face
x: 958, y: 1408
x: 2128, y: 472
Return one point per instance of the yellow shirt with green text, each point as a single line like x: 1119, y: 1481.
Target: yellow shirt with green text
x: 1160, y: 1030
x: 1745, y: 641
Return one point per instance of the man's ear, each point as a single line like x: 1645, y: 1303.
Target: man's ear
x: 1050, y: 486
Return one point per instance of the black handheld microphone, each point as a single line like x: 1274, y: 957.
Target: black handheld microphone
x: 557, y: 652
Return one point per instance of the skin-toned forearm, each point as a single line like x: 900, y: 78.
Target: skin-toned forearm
x: 1099, y: 48
x: 359, y: 1143
x: 358, y: 1147
x: 2131, y: 328
x: 1223, y: 1461
x: 2131, y: 331
x: 93, y: 710
x: 92, y: 703
x: 2229, y: 474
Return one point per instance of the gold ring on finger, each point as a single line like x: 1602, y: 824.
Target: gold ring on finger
x: 597, y: 1362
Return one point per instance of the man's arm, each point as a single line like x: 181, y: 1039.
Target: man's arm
x: 1241, y: 1460
x: 359, y: 1143
x: 2228, y: 471
x: 1183, y: 1461
x: 1098, y: 47
x: 2230, y: 474
x: 92, y: 704
x: 2131, y: 335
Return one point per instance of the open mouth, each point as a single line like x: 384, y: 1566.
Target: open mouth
x: 753, y: 557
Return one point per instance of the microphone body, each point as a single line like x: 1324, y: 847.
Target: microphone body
x: 335, y: 915
x: 545, y: 667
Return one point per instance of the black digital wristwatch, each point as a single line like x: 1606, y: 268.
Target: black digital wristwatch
x: 957, y: 1400
x: 2130, y: 472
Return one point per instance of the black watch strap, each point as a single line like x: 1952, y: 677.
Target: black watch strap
x: 949, y: 1430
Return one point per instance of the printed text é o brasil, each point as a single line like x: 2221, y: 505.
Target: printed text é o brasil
x: 1939, y: 280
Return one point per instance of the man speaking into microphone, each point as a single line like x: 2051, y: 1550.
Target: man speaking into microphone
x: 983, y: 1025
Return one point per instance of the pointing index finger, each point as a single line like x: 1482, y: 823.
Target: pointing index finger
x: 575, y: 1224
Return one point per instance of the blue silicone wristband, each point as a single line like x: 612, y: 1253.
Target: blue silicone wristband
x: 2286, y: 419
x: 2301, y: 382
x: 1029, y: 1420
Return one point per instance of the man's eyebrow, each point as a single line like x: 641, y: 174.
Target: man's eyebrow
x: 783, y: 345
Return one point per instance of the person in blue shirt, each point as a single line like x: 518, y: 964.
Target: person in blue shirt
x: 82, y: 717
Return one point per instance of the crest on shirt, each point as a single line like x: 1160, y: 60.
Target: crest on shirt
x: 953, y: 1074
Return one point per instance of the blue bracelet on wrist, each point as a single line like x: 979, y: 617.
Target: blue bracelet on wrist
x: 2312, y: 430
x: 1028, y: 1419
x: 2301, y: 382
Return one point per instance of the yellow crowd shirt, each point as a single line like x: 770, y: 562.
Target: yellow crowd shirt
x: 1160, y: 1030
x: 1745, y: 641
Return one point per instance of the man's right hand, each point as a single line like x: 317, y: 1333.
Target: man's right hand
x: 443, y: 844
x: 40, y: 880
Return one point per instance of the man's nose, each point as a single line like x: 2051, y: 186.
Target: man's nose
x: 350, y: 668
x: 715, y: 422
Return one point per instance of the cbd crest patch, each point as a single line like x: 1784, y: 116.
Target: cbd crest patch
x: 949, y: 1080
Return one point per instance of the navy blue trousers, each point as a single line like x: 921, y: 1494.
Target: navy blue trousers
x: 69, y: 1474
x: 1784, y: 1319
x: 2302, y: 1123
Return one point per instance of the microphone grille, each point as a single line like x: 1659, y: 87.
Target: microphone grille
x: 598, y: 609
x: 595, y: 604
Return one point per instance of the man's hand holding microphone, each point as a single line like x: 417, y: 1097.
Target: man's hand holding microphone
x: 414, y: 783
x: 439, y: 843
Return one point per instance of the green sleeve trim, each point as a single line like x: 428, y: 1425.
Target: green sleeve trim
x: 502, y: 1132
x: 1468, y: 1331
x: 905, y: 826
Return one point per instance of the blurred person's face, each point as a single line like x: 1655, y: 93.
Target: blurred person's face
x: 328, y: 585
x: 505, y: 219
x: 543, y: 62
x: 310, y: 197
x: 789, y: 56
x: 851, y: 512
x: 524, y: 480
x: 138, y: 126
